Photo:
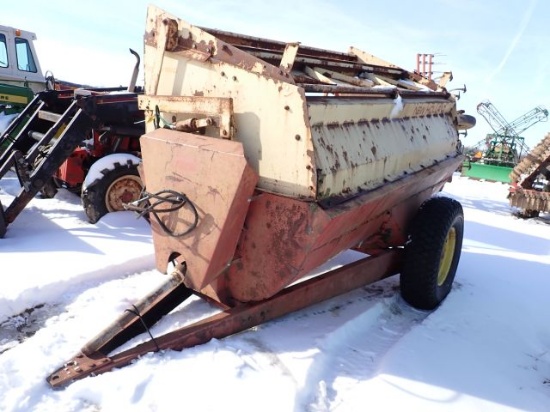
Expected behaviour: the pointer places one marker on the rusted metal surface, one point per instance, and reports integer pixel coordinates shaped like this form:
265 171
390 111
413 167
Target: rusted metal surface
230 321
361 144
231 259
535 164
529 199
122 191
327 151
528 169
285 238
181 107
269 110
314 155
215 176
150 308
274 110
200 45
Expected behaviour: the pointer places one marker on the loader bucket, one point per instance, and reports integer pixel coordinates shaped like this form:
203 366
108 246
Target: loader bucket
491 173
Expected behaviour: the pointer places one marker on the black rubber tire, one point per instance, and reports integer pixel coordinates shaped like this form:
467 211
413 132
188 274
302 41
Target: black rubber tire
49 190
529 214
95 197
432 253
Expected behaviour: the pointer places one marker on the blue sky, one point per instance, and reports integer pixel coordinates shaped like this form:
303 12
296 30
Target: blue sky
499 50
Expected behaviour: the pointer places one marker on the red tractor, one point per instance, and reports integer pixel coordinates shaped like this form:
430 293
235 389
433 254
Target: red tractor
85 140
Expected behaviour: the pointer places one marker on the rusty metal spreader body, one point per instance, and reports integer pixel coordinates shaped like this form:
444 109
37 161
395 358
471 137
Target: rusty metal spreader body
282 156
300 150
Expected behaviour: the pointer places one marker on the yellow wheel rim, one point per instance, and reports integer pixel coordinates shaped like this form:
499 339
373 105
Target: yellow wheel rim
447 255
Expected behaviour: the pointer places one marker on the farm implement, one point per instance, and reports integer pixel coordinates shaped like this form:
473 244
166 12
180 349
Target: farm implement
504 148
530 187
262 160
85 140
507 159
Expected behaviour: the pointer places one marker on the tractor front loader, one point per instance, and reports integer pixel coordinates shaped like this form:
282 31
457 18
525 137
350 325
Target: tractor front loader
83 140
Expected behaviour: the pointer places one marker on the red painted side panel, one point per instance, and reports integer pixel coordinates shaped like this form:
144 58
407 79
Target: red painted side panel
284 238
248 248
214 174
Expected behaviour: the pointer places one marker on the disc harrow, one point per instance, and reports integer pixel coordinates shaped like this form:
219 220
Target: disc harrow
530 188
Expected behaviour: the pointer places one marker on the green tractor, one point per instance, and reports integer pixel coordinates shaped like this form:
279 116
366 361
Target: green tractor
495 157
13 100
20 73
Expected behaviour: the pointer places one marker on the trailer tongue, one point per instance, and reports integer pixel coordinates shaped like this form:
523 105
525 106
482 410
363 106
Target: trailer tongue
263 160
93 359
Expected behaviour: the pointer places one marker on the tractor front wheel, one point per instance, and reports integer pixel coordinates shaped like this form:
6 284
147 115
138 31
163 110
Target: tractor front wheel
432 253
111 191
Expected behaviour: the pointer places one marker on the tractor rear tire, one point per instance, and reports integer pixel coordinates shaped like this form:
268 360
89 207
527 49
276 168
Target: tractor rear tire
115 188
432 253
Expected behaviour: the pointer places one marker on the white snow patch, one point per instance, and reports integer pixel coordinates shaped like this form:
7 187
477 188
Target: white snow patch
397 106
5 120
108 162
485 348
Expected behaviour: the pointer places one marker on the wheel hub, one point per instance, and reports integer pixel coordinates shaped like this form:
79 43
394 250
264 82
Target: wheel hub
122 191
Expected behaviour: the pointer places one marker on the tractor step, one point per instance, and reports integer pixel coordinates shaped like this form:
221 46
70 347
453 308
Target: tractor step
50 116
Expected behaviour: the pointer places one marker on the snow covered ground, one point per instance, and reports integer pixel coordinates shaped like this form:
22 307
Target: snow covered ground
485 349
5 120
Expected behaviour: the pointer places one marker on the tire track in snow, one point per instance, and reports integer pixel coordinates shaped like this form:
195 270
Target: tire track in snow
355 350
351 333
